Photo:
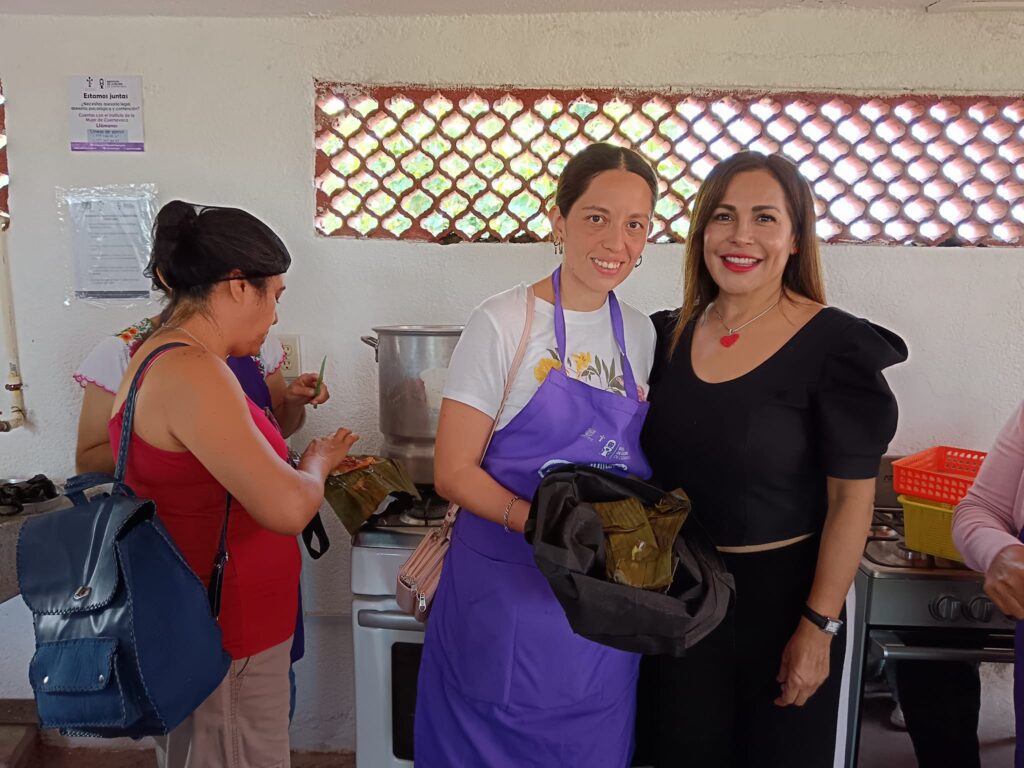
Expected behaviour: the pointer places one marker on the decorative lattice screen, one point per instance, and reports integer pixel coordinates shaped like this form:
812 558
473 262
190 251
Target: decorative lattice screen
5 216
454 164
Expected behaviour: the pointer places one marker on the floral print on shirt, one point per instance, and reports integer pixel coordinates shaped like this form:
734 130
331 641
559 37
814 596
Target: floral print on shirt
586 367
134 335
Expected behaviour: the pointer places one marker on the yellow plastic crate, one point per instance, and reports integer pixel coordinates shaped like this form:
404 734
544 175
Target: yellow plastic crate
928 526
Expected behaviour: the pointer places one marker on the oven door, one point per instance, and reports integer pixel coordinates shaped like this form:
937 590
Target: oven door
388 645
942 645
935 673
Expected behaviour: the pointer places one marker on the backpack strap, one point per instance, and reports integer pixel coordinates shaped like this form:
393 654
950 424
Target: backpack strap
127 421
128 417
220 563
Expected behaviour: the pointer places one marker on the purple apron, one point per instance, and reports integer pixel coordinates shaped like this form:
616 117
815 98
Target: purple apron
504 681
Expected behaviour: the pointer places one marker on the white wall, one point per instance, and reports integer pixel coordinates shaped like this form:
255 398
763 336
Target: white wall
228 108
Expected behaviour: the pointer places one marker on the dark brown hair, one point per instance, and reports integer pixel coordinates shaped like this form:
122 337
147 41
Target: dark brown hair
196 246
598 158
802 274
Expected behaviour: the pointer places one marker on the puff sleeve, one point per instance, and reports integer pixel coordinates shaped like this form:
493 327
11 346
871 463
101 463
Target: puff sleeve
856 409
105 365
271 356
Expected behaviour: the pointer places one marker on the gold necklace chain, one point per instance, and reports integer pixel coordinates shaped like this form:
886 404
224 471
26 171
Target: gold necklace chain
187 333
739 328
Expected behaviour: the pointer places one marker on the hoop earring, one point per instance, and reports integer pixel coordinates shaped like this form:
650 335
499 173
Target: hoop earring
639 261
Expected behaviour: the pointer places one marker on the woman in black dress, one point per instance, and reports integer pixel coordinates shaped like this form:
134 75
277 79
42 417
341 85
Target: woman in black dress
770 409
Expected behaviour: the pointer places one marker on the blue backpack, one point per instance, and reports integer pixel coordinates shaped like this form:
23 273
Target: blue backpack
127 640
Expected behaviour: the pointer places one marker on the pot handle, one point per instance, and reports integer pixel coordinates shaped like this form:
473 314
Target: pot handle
372 341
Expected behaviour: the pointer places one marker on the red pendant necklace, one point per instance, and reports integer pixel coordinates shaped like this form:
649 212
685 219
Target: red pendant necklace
733 334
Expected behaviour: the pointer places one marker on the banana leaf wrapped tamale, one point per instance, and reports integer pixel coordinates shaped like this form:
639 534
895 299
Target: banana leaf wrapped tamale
639 539
361 486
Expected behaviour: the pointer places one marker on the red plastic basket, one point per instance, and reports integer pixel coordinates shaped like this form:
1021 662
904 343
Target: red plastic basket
940 473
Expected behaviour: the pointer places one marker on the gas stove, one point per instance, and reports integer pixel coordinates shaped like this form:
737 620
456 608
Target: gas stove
886 552
897 586
387 539
915 606
387 642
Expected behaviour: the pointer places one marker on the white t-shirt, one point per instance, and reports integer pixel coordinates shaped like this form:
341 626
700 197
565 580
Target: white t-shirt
483 356
105 365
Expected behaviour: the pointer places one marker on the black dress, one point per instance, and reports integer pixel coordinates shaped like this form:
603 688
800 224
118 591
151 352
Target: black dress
754 454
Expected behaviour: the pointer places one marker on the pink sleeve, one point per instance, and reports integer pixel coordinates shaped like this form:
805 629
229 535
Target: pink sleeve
992 514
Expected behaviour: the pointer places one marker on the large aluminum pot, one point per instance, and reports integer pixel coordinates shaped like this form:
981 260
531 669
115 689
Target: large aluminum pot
412 363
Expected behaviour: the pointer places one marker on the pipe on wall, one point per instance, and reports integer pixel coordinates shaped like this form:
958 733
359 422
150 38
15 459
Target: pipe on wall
15 416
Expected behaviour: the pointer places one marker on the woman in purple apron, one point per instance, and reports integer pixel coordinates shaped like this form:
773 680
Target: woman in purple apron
504 681
988 529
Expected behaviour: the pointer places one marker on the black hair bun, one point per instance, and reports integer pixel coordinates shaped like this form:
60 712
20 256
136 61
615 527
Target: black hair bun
173 237
175 221
196 246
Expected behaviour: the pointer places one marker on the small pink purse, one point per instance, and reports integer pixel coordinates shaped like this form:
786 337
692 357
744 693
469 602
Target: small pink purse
419 577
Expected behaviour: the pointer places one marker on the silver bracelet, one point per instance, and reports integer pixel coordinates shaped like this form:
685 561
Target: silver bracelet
508 511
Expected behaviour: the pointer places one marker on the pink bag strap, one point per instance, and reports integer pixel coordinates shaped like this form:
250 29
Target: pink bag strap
453 509
514 369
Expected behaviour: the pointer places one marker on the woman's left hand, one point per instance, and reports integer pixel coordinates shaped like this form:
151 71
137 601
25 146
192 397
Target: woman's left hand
302 390
804 665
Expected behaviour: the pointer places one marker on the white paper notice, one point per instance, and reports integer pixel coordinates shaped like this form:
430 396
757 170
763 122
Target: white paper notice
110 245
106 113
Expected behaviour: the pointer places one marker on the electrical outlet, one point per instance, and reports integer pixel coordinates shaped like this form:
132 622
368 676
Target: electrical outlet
292 366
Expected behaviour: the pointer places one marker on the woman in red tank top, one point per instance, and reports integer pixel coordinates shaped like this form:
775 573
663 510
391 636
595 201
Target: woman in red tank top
197 438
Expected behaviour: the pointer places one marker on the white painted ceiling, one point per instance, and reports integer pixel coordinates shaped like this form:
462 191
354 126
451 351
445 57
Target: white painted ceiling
257 8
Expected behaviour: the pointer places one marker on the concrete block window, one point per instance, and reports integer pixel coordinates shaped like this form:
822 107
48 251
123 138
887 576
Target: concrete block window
460 163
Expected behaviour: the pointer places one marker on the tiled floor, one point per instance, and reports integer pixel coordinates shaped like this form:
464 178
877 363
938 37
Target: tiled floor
323 761
884 746
881 744
54 757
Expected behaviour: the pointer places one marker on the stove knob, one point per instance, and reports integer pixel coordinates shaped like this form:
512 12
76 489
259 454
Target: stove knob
979 609
945 608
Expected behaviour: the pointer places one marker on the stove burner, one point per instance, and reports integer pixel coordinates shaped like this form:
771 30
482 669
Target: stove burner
428 511
888 517
909 554
892 553
883 533
912 556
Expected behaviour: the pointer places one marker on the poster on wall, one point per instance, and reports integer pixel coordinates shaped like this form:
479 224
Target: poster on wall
110 239
105 113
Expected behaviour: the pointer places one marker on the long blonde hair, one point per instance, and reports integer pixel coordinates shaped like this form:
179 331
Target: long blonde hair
802 275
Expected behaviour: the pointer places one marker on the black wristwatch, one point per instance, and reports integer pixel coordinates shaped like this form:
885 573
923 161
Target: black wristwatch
824 623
